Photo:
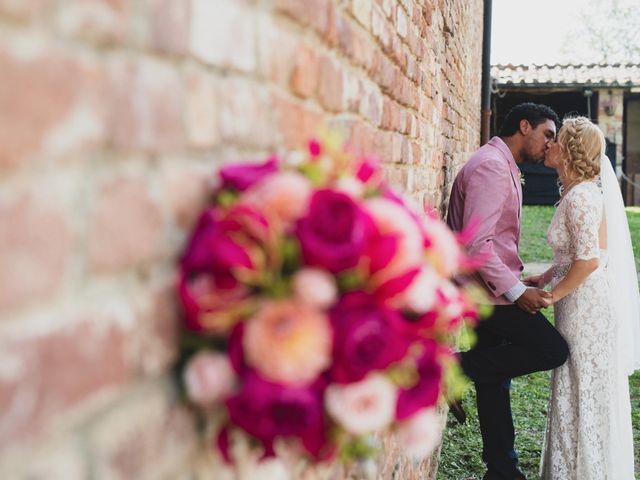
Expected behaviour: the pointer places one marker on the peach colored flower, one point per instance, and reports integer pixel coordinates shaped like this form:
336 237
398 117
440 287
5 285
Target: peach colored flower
452 300
288 342
208 378
392 218
283 196
420 434
351 186
444 252
420 296
363 407
315 287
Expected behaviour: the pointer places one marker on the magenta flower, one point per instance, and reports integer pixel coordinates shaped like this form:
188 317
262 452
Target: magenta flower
267 411
315 148
334 232
240 176
424 393
365 338
224 252
368 170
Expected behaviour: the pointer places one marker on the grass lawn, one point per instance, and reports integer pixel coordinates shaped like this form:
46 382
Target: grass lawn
462 445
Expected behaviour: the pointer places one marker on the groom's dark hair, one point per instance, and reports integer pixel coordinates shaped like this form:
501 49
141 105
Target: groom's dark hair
534 113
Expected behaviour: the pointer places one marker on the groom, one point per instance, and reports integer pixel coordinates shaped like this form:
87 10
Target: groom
516 339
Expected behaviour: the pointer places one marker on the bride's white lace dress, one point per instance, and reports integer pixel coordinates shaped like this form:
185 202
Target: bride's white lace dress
588 434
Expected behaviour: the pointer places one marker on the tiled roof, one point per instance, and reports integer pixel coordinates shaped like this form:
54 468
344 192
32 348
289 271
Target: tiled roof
615 75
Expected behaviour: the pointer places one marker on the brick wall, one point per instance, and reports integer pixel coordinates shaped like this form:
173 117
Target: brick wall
113 115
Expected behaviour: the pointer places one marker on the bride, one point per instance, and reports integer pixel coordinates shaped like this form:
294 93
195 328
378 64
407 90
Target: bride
594 289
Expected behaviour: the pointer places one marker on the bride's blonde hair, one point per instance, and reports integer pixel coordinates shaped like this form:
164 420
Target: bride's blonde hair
584 144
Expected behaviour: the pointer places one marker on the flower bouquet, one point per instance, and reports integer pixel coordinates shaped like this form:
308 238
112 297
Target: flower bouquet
319 308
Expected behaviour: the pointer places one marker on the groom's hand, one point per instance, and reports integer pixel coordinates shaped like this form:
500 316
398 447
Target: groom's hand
533 281
533 299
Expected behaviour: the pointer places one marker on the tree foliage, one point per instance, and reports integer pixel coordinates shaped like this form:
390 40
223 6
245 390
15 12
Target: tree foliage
606 31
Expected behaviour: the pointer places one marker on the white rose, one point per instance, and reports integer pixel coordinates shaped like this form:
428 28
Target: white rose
363 407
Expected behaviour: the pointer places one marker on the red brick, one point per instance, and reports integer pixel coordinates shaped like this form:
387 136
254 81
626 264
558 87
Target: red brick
201 112
223 33
407 152
46 375
62 457
386 120
155 341
427 11
35 250
402 22
304 78
103 22
398 55
170 25
245 114
278 49
147 435
25 10
295 123
362 139
383 145
314 13
381 30
371 105
147 107
362 12
185 191
126 226
50 106
331 90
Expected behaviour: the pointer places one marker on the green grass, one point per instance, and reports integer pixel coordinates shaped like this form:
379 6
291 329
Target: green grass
533 236
462 445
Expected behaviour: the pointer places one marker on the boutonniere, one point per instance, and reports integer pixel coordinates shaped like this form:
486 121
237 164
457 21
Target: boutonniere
521 176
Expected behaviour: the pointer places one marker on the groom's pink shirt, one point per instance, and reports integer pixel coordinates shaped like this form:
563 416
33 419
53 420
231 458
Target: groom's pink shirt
487 191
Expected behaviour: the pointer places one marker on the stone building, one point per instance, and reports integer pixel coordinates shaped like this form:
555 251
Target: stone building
113 116
608 94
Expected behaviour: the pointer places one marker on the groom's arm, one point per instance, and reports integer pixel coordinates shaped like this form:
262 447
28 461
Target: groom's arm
487 193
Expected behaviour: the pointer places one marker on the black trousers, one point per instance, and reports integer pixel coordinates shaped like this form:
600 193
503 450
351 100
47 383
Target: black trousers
511 342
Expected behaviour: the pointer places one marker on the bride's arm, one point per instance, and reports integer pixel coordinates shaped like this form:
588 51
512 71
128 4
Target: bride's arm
578 273
583 219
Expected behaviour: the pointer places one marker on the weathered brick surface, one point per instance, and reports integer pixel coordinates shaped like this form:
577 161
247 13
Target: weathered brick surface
113 117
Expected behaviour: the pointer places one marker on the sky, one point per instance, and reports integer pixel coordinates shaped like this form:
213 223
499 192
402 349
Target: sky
534 31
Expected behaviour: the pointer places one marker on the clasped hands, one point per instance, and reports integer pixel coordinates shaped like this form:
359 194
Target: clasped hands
534 297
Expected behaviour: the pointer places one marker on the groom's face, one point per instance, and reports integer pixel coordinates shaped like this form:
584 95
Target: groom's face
537 140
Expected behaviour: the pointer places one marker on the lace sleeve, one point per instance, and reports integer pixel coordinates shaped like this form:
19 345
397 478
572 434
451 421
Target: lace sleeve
584 214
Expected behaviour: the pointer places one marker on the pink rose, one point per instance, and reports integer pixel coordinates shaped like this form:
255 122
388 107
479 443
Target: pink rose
420 296
283 197
364 407
350 186
240 176
315 287
394 219
420 434
334 232
288 342
365 338
208 378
